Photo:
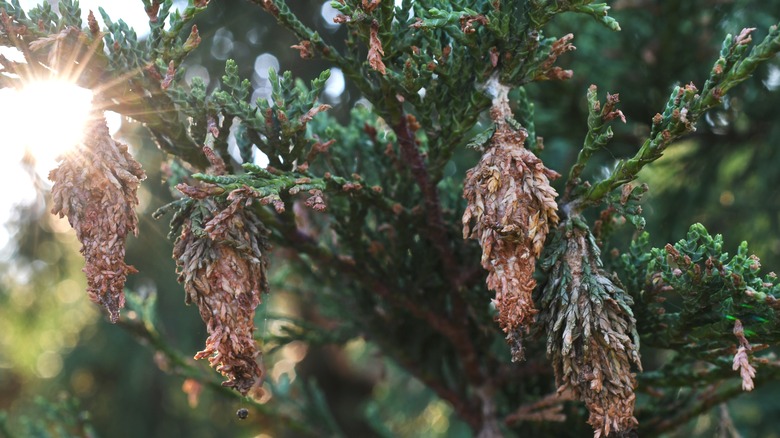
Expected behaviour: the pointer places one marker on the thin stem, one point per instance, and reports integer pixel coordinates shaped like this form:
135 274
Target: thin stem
285 17
435 225
455 330
182 367
683 417
685 106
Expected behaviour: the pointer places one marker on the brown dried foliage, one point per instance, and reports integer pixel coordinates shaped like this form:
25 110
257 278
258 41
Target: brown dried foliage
94 27
610 113
305 49
9 26
151 11
741 360
744 37
467 22
512 206
592 338
306 118
95 186
193 40
269 6
375 50
222 262
170 75
559 47
370 5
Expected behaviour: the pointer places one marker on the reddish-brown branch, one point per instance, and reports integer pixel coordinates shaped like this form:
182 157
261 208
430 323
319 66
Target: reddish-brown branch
683 417
454 329
437 234
468 412
461 339
436 228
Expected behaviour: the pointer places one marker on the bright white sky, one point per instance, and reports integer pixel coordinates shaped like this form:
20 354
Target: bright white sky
45 120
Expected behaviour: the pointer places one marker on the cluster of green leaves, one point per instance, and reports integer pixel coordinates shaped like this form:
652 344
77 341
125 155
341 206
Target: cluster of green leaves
174 43
691 295
42 20
299 162
277 126
385 260
512 31
53 419
169 44
694 291
686 105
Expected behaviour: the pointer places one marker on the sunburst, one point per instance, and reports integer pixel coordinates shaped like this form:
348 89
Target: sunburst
44 119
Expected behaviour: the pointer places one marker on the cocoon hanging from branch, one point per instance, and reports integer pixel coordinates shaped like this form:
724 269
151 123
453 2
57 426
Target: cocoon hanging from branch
511 206
96 187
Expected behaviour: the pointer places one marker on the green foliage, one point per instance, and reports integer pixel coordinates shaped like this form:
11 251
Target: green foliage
42 20
364 202
711 289
59 419
692 294
685 106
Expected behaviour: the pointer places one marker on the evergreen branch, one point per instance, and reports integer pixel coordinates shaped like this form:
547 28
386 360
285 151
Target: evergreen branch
122 79
160 116
541 12
279 10
681 373
276 126
435 225
452 329
685 106
598 135
400 269
351 69
270 187
730 69
450 141
168 44
180 366
715 290
666 424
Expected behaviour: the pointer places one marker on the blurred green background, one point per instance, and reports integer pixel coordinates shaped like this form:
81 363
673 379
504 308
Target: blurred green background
55 344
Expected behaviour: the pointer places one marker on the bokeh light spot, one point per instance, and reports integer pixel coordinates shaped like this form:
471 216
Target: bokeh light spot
49 364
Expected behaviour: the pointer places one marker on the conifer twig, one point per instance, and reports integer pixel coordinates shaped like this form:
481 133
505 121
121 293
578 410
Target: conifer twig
662 426
279 10
437 231
685 106
454 330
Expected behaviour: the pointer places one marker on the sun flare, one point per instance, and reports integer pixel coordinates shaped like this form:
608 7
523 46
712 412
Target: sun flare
38 122
44 119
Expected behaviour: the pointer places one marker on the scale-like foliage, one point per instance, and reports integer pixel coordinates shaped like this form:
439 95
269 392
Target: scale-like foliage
369 212
711 292
591 334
